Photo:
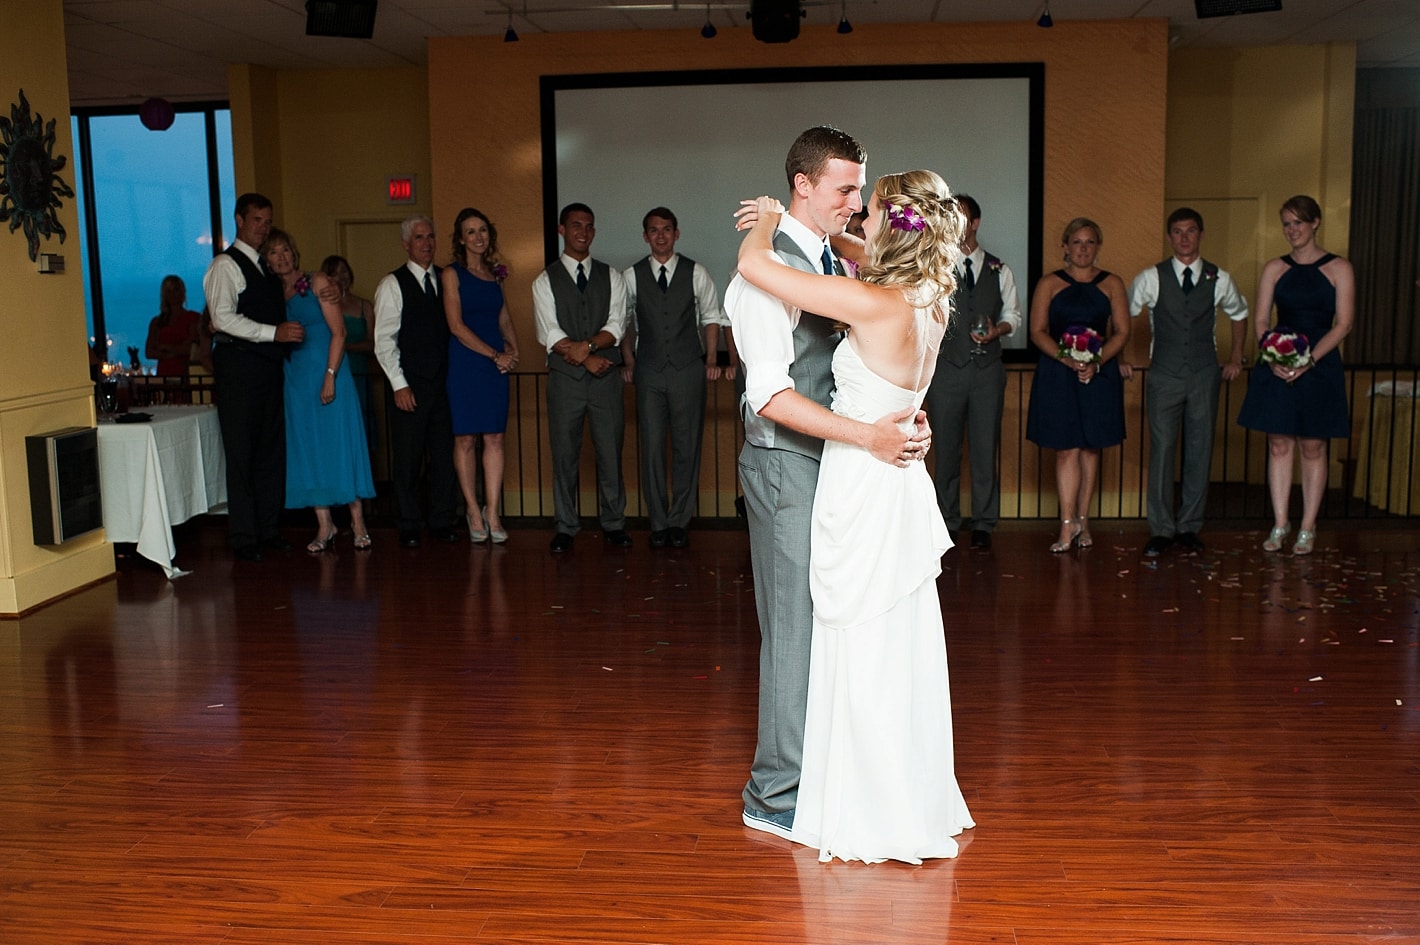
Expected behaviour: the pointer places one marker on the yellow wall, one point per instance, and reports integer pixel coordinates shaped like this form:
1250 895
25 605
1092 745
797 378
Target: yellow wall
44 379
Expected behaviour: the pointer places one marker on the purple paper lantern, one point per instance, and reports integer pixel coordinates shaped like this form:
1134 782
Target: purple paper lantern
156 114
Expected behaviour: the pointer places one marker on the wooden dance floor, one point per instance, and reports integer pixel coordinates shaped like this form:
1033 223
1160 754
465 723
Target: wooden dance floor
463 745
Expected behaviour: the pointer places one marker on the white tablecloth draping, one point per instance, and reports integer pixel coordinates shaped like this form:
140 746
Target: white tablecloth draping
159 474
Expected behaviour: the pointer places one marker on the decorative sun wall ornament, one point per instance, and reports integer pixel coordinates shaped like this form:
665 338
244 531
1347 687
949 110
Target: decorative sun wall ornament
30 185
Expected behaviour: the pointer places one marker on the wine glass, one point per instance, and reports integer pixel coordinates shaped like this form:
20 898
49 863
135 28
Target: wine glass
980 327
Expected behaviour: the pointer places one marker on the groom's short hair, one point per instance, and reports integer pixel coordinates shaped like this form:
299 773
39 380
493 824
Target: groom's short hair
811 151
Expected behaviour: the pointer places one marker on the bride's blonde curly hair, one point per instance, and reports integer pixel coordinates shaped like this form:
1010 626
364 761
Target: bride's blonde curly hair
921 260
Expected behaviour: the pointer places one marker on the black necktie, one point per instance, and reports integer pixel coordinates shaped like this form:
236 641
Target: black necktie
429 285
970 276
827 261
663 282
1188 280
581 278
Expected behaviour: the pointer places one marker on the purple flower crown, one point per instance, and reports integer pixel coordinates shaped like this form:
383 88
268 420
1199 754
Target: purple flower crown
906 218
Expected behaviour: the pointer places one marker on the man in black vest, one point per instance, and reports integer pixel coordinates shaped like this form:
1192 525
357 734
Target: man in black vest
968 392
251 331
1183 295
673 319
579 305
412 346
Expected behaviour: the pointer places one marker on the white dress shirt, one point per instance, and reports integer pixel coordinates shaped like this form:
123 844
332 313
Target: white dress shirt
1144 293
1010 298
545 306
389 312
707 300
764 325
221 285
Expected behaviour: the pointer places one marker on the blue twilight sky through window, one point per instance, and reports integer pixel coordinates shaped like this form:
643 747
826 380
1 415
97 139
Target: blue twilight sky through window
153 211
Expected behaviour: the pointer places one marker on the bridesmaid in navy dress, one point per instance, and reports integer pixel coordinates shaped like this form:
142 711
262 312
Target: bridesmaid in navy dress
1077 409
484 348
1301 408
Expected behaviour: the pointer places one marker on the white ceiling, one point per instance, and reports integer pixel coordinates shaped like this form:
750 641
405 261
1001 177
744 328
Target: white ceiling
124 51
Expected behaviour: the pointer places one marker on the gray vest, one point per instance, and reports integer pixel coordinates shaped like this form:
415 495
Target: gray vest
984 299
1183 325
815 340
667 324
581 314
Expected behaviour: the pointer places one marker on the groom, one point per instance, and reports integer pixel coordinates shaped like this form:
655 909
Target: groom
787 356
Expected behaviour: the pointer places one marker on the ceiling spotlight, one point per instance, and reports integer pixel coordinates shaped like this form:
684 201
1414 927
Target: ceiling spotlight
708 31
844 27
510 35
1045 22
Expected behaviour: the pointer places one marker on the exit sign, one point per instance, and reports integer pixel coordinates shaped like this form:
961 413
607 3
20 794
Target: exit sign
399 188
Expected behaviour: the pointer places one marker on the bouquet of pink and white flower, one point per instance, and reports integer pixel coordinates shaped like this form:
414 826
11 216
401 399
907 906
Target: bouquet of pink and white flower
1285 347
1081 344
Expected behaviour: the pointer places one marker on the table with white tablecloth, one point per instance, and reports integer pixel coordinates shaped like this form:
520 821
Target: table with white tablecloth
158 474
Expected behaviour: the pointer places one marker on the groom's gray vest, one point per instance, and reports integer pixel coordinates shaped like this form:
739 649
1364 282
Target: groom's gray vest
812 371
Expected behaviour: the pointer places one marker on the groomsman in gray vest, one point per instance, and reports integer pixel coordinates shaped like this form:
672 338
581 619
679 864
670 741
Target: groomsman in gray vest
579 305
673 320
412 348
968 391
1183 295
787 360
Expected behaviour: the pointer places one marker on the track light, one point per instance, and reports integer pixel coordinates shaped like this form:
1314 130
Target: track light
510 35
1045 22
708 31
844 27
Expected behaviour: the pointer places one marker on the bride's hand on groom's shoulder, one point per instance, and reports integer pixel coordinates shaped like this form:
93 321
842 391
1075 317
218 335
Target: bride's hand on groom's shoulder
751 211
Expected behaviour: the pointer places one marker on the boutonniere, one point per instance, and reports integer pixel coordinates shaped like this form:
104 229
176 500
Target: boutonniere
500 272
303 284
1209 275
994 265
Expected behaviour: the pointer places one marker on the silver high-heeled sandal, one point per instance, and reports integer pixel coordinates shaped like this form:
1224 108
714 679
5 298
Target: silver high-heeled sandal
1306 540
1083 538
498 535
1276 537
1060 547
476 535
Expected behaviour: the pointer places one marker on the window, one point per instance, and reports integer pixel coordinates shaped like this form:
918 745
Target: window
150 204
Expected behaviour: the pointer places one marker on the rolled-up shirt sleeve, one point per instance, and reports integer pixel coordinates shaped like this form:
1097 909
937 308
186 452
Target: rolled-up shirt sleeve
545 312
764 335
1010 300
1229 299
1144 292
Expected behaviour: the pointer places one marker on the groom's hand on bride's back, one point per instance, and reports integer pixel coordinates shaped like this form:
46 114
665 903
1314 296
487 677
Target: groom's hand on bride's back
890 445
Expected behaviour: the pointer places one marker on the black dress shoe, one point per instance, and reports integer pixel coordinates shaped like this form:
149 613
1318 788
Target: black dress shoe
445 534
409 539
980 539
247 553
1157 545
276 543
617 538
680 538
659 539
561 543
1190 542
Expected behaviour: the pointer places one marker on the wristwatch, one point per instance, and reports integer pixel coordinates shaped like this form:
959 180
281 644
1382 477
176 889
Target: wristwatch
591 346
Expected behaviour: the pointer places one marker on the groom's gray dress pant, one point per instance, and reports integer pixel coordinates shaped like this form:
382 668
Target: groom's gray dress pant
779 498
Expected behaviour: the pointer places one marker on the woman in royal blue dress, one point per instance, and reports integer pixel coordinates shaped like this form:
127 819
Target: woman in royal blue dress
327 461
1077 406
1301 406
483 349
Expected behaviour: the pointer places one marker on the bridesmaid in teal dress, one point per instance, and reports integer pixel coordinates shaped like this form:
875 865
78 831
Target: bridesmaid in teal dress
1077 408
327 460
1300 408
359 314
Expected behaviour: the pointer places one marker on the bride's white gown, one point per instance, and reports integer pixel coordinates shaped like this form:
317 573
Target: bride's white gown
878 777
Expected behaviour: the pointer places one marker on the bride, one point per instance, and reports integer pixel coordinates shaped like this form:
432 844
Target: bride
878 774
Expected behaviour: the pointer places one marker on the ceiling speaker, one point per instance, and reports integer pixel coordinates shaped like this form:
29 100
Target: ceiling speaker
1207 8
350 19
775 21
